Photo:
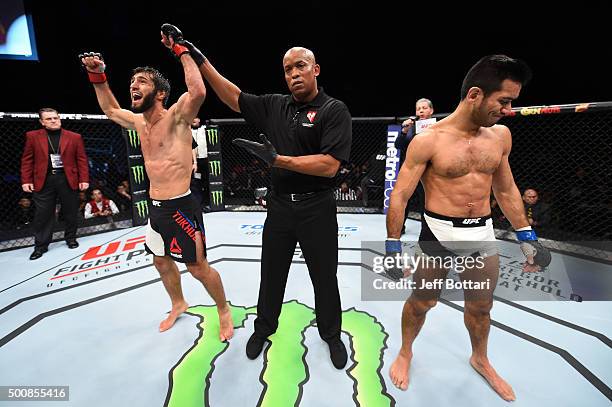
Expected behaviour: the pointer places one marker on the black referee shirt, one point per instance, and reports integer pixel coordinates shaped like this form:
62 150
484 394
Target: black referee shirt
321 126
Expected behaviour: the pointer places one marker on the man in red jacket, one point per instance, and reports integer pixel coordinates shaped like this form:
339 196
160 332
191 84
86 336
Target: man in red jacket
53 164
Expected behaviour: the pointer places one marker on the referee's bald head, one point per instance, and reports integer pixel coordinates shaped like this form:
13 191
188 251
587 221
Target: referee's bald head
303 52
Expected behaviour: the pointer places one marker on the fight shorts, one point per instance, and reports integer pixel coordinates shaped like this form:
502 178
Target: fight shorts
172 227
449 236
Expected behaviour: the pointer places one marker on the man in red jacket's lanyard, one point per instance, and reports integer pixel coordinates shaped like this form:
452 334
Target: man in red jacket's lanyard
53 164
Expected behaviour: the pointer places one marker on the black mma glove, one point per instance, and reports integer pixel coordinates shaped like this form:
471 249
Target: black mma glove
181 46
265 150
531 247
95 73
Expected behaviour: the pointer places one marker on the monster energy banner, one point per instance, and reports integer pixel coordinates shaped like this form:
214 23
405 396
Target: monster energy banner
140 207
215 169
139 182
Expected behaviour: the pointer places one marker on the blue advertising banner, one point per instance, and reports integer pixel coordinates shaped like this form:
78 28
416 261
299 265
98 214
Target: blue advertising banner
391 163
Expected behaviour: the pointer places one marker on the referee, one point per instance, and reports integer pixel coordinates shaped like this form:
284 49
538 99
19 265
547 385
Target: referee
309 136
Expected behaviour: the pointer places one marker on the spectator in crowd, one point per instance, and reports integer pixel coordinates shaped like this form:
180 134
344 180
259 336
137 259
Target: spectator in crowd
54 164
423 110
344 193
25 213
100 206
538 213
124 199
239 180
232 184
258 175
363 171
354 175
343 173
102 185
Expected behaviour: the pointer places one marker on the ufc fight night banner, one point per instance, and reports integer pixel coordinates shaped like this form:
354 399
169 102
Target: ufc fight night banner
215 169
139 182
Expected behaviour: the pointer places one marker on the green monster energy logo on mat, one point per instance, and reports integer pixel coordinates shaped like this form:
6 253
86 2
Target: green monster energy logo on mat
143 208
217 197
138 173
215 168
284 370
133 138
213 136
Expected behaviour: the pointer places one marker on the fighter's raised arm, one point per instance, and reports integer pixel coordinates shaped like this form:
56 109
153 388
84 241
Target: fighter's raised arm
227 91
189 103
95 66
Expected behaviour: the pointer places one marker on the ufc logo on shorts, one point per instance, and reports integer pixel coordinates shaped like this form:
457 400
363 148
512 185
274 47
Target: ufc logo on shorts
156 203
471 221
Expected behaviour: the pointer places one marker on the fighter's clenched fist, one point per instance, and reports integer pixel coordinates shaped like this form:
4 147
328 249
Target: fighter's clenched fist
95 66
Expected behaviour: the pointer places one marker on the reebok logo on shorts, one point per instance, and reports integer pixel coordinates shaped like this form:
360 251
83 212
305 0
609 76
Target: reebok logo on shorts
174 247
184 224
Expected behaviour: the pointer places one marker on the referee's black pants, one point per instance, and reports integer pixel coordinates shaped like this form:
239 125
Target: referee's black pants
313 224
56 185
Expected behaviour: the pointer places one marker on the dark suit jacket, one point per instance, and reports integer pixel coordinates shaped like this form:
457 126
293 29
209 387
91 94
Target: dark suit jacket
35 158
540 213
401 143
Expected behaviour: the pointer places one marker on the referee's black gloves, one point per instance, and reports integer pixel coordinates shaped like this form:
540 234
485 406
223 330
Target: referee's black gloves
264 150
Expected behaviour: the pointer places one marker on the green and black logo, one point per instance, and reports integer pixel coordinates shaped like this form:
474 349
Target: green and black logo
217 197
284 372
213 136
134 138
215 168
143 208
138 173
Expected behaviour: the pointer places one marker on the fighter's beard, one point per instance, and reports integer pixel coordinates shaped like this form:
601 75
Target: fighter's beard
147 103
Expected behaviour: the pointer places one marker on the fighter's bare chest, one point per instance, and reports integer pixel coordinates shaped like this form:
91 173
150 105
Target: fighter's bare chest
461 158
156 141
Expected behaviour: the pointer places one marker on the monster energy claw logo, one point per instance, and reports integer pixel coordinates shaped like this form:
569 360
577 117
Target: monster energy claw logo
143 208
284 371
213 136
215 168
217 197
138 173
133 138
